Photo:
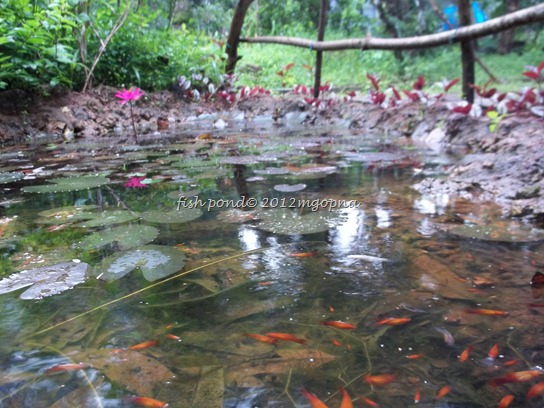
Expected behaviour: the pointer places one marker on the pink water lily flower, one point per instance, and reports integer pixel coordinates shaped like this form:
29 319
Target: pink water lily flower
132 94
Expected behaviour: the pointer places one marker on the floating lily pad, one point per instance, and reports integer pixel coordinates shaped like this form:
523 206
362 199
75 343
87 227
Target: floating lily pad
288 222
106 218
370 157
68 184
10 177
240 160
272 171
66 214
289 188
126 237
45 281
172 217
155 262
192 162
500 231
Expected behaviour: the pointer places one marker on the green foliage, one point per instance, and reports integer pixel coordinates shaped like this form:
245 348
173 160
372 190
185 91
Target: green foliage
36 43
151 58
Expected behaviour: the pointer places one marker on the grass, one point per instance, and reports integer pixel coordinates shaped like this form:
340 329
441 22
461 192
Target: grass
349 68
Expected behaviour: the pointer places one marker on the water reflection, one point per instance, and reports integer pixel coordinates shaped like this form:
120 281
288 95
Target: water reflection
399 268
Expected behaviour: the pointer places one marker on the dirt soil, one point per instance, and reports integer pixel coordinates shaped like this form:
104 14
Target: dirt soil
505 166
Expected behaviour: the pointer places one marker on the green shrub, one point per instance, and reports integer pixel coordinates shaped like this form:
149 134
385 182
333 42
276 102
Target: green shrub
36 43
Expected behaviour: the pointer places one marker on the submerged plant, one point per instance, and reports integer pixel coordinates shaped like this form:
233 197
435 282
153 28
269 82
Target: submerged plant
133 94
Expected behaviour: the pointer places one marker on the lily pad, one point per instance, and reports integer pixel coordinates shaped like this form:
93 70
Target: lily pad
108 218
45 281
155 262
272 171
285 221
126 237
172 217
10 177
500 231
68 184
289 188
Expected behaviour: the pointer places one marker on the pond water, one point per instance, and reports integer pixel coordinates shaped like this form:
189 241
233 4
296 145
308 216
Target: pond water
153 279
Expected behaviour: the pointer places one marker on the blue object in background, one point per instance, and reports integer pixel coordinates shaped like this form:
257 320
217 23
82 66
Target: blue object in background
479 15
451 14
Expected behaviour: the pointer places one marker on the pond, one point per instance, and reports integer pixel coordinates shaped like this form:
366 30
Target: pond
262 267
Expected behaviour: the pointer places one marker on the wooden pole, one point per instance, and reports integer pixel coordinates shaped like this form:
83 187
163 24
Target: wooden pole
467 51
319 54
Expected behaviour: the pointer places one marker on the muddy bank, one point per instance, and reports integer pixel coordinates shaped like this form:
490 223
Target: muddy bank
505 166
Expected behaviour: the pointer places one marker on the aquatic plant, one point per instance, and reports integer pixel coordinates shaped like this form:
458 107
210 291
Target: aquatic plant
127 96
45 281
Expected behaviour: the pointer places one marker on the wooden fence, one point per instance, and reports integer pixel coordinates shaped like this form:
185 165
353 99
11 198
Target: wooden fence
463 35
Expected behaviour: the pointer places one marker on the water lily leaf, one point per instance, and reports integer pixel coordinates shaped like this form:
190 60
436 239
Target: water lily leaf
285 221
172 217
108 218
289 188
68 184
272 171
45 281
500 231
192 162
155 262
10 177
62 215
126 237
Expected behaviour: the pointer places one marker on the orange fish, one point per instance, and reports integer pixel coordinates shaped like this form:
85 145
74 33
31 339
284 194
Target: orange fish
339 325
493 351
66 367
331 309
261 338
144 345
466 353
506 401
316 402
393 321
487 312
336 342
417 396
170 326
368 401
346 399
382 379
442 392
415 356
518 376
147 402
172 336
302 254
510 363
538 279
286 337
536 390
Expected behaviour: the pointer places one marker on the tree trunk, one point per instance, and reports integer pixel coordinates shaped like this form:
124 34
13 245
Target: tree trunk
234 35
319 54
506 39
467 51
390 28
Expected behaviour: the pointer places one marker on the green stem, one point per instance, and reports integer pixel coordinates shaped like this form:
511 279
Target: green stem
133 123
